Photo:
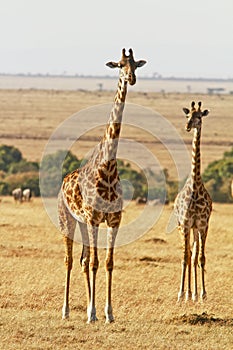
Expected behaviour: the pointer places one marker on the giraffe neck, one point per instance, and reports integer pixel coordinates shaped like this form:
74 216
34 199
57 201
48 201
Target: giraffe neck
196 157
99 180
112 132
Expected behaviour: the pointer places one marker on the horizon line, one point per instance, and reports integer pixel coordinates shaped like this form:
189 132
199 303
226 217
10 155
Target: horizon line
90 76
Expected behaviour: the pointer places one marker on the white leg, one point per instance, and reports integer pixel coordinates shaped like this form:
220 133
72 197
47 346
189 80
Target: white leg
194 264
85 260
111 237
203 235
68 261
67 226
185 236
94 264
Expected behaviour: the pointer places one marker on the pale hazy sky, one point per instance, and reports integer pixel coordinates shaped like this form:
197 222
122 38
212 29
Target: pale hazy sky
176 37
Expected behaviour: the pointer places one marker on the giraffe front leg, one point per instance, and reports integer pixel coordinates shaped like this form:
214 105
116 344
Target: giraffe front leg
85 260
93 266
185 237
194 264
189 292
111 237
203 234
67 226
68 262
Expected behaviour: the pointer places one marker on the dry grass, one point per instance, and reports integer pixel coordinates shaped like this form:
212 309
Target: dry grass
147 272
28 118
146 281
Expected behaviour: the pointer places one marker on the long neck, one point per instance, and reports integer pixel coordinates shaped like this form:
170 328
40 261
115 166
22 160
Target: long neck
112 132
196 156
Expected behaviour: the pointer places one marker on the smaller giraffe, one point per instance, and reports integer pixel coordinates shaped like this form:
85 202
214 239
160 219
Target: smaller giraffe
193 207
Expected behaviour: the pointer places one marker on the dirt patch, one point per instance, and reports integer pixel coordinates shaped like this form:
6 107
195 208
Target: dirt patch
165 260
202 319
149 259
21 251
156 241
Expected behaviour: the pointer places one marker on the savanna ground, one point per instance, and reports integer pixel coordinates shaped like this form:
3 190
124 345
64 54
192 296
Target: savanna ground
147 272
146 281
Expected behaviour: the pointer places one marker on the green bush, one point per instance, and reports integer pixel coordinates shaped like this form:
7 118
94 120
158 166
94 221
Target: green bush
218 176
9 155
23 180
15 171
23 166
54 167
132 178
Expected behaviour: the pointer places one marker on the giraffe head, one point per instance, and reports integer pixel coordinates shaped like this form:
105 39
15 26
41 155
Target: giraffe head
128 66
194 116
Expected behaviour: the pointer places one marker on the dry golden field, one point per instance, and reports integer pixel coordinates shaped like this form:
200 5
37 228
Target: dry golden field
145 285
29 117
147 272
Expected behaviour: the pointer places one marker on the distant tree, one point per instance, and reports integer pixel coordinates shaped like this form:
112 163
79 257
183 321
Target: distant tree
32 183
15 171
9 155
22 180
218 176
4 188
23 166
51 173
70 163
132 178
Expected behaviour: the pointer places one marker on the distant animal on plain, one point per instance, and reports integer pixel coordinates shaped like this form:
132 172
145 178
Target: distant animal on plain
27 195
17 194
141 200
155 202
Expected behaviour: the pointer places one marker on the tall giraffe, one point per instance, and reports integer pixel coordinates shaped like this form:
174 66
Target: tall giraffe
92 195
193 207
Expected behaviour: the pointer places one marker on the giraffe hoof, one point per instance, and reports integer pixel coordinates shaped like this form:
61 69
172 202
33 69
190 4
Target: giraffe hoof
65 312
180 297
195 298
108 314
109 319
93 319
91 315
203 296
188 296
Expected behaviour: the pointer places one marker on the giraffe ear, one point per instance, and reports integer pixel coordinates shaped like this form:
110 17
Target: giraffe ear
205 113
112 65
186 111
140 63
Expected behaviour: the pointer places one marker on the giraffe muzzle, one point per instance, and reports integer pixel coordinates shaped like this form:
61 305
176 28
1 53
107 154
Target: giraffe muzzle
188 128
131 79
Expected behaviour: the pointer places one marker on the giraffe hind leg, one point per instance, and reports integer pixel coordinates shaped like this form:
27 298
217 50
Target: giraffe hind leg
195 253
85 260
93 267
185 237
111 237
202 260
67 226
